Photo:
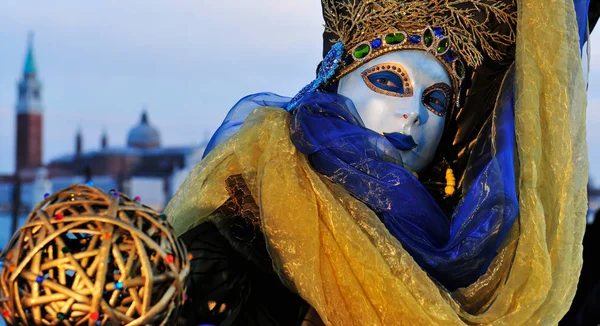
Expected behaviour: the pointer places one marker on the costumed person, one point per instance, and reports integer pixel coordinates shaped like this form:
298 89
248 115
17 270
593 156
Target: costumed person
434 173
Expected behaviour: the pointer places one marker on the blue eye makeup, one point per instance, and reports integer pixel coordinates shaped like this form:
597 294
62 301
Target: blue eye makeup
436 98
388 79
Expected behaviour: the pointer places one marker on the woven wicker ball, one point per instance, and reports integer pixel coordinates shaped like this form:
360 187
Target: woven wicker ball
85 256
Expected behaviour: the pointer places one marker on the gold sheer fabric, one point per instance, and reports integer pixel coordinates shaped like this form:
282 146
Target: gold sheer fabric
334 251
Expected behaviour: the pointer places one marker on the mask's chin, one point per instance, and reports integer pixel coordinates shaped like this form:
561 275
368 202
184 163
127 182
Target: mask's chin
411 160
408 149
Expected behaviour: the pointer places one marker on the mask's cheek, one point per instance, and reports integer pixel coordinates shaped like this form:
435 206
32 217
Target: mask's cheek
428 136
375 114
432 133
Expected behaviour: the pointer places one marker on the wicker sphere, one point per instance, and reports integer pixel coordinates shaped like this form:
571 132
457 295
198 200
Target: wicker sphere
85 256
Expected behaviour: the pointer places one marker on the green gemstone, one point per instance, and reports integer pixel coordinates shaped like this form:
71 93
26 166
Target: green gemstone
163 217
65 250
60 316
362 51
443 45
459 68
394 38
428 37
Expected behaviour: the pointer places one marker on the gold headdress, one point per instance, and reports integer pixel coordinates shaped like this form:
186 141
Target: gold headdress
457 32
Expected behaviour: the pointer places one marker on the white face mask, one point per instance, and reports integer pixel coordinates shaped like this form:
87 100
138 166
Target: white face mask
400 94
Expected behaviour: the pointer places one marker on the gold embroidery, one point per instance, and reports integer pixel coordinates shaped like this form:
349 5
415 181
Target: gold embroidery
449 65
462 33
358 21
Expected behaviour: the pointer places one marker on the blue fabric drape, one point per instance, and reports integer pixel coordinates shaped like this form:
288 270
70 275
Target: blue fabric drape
581 10
236 116
454 251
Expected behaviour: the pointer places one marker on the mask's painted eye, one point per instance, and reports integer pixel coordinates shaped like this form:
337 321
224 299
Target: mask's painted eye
388 79
436 98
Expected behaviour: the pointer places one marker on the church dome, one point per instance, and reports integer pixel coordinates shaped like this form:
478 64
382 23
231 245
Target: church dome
143 135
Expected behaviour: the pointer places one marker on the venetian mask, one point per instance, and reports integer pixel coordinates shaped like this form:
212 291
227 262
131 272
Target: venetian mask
404 95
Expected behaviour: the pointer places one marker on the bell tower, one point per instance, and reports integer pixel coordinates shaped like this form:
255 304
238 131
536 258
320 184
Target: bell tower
29 115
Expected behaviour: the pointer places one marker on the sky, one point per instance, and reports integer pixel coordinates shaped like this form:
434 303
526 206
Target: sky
102 62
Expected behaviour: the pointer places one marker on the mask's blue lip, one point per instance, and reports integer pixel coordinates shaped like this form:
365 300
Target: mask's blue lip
401 141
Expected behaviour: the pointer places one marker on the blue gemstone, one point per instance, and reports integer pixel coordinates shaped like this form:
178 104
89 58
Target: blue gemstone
118 285
449 56
46 195
90 183
39 279
376 43
438 31
414 39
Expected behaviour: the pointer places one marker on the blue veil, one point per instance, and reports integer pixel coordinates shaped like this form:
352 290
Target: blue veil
454 250
240 111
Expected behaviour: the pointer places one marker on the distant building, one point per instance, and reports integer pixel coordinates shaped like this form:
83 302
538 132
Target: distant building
143 168
29 116
29 133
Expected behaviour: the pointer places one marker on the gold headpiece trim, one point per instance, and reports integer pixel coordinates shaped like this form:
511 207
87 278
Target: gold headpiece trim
460 26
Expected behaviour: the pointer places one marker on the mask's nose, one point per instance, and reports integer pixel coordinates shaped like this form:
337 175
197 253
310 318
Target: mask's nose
407 120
